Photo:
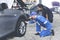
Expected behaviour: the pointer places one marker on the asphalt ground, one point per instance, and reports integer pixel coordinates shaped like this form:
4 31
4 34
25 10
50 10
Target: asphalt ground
31 30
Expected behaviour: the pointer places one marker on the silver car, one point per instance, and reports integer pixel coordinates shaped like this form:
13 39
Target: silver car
12 20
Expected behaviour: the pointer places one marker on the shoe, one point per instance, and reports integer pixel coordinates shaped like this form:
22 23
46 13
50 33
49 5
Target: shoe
52 31
37 33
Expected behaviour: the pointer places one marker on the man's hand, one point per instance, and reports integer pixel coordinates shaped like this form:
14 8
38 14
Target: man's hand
29 17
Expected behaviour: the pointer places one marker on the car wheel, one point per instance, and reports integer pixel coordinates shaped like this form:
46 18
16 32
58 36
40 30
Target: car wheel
21 28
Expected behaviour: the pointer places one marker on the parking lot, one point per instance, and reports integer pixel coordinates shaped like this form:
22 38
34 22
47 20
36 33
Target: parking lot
31 31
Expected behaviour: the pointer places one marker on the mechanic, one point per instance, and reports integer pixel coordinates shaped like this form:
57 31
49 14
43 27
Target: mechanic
44 11
42 22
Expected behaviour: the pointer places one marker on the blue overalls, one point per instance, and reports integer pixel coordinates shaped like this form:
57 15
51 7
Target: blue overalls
41 21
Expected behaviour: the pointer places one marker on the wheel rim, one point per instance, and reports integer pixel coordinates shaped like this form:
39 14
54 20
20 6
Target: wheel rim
22 28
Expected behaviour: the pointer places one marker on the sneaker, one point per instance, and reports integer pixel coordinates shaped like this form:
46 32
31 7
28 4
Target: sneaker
52 31
37 33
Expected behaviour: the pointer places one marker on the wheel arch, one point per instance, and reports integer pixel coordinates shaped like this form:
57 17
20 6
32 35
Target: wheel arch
21 17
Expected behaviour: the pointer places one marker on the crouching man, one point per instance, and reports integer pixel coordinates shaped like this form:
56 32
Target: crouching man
42 22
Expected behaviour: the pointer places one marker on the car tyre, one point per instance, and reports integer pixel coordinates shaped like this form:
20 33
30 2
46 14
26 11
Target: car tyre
20 28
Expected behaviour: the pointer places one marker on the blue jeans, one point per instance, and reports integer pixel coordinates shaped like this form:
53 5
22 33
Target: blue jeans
38 27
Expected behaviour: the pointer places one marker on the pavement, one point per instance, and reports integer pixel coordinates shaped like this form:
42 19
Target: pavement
31 31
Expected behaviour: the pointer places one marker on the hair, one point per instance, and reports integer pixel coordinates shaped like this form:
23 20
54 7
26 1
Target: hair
40 5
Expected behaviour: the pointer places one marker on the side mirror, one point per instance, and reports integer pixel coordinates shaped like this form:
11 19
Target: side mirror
3 6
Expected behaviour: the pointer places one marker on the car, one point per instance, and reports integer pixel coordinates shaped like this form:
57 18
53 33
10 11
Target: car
12 20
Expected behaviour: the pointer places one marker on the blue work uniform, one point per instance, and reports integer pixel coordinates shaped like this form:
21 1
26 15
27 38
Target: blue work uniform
42 21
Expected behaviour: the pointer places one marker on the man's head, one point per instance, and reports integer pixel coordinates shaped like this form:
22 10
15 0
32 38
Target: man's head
40 6
33 15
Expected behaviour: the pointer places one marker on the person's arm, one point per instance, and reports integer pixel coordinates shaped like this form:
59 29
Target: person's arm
30 20
46 16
